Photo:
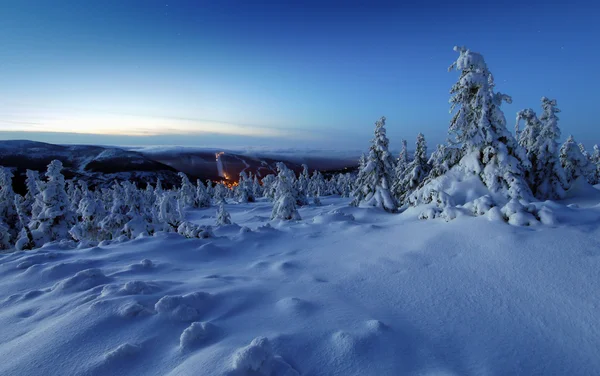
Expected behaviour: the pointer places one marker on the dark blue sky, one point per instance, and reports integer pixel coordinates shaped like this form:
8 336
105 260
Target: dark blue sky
225 73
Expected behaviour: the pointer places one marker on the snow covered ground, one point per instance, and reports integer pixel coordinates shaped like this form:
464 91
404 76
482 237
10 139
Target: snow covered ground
344 291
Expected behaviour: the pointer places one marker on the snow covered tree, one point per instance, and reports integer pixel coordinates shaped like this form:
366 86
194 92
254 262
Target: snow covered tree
527 138
90 211
170 212
416 171
591 177
220 193
256 188
575 164
596 164
442 160
202 196
209 188
375 178
74 193
269 186
25 238
303 181
285 198
317 199
540 138
55 218
223 217
138 213
478 126
8 214
113 223
316 183
187 192
244 192
402 161
32 182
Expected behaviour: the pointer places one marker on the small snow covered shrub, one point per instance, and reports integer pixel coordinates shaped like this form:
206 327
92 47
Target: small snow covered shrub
517 214
192 230
482 205
223 217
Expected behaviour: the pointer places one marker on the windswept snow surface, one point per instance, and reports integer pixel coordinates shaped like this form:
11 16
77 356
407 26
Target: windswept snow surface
344 291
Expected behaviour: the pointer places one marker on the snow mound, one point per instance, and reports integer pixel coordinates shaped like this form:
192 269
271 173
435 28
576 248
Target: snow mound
196 333
184 307
333 216
83 280
124 351
133 309
295 306
39 258
258 359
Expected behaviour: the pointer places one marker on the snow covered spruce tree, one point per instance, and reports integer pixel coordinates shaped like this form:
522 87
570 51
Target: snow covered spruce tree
55 218
244 190
223 217
575 164
596 164
303 181
114 221
268 186
139 214
202 197
89 212
442 160
187 192
285 196
400 166
540 139
375 177
316 183
479 128
9 219
32 182
415 172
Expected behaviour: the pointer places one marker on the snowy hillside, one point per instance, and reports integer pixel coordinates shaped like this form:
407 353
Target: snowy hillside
345 291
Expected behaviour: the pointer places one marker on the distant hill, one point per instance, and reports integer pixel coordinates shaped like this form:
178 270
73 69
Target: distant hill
95 164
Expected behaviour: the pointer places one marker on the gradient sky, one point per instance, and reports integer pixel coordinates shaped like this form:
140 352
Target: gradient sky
235 73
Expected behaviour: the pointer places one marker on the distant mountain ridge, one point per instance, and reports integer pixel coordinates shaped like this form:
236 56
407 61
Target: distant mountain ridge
96 164
102 165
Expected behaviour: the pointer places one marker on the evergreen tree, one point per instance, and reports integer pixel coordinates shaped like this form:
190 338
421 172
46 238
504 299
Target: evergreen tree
202 196
375 178
442 160
32 182
416 171
90 211
596 164
55 218
547 177
478 126
303 181
187 192
575 164
285 196
113 224
268 183
223 217
8 214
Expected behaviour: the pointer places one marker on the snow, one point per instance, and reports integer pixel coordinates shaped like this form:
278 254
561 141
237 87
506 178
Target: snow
343 291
